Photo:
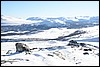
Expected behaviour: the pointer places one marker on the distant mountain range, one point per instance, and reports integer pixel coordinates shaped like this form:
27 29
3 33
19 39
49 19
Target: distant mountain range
48 22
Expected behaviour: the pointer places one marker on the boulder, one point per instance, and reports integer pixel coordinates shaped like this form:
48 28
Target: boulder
21 47
86 53
82 44
88 49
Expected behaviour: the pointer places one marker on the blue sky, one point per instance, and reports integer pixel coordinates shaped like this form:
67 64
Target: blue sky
24 9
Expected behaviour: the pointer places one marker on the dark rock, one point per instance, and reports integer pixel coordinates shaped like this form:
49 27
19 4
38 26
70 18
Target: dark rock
86 53
9 52
21 47
88 49
50 55
82 44
76 33
73 43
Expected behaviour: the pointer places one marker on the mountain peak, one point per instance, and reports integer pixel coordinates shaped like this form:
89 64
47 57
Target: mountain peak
53 21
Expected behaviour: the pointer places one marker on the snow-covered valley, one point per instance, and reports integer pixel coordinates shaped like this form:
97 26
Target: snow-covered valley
53 47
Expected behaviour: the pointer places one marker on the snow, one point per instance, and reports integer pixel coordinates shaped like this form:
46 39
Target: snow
47 58
72 18
53 56
91 32
59 21
16 21
8 20
78 17
14 32
66 57
83 17
51 33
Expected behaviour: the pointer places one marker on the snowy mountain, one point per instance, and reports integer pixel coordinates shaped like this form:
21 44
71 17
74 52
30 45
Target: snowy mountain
8 20
69 22
69 19
70 41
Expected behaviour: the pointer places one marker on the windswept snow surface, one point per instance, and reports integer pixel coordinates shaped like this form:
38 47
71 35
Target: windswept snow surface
8 20
52 52
91 32
51 43
66 56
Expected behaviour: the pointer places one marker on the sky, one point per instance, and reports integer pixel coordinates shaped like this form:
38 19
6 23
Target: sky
25 9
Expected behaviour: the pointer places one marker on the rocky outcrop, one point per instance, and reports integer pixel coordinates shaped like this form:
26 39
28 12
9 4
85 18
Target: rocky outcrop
82 44
73 43
88 49
86 53
22 47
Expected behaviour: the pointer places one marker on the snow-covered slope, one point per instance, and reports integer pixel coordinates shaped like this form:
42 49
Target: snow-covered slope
91 32
67 19
50 54
52 22
8 20
52 48
64 33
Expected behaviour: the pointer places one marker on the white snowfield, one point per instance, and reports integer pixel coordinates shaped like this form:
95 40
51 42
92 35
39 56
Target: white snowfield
16 21
8 20
51 33
50 53
66 56
91 32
